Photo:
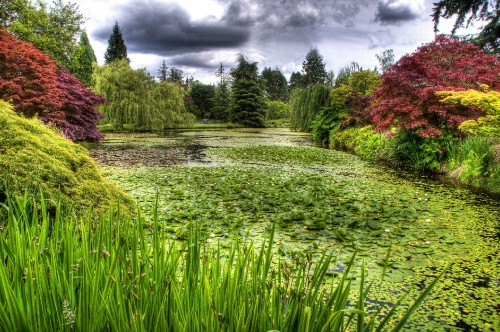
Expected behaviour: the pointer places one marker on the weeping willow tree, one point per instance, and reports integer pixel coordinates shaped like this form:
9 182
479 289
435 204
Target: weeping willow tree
137 100
306 104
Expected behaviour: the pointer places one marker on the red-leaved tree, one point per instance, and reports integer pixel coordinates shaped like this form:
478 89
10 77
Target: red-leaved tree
36 87
407 97
28 78
78 116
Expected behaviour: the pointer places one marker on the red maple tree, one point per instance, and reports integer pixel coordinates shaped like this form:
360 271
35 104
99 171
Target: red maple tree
36 87
28 77
78 116
407 96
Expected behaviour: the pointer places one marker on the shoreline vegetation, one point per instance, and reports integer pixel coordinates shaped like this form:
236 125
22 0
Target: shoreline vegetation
62 272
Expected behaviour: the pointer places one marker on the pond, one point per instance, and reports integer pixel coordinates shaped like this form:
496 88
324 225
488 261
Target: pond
236 183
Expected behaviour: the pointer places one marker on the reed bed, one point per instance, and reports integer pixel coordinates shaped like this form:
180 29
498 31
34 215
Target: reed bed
61 271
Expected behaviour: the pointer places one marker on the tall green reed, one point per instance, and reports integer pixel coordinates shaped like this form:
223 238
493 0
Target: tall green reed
63 272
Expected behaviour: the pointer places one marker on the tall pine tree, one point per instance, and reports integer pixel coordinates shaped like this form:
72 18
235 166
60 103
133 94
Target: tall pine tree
82 64
248 106
313 69
116 46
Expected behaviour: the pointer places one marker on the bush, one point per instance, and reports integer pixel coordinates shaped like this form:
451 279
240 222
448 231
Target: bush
409 149
364 141
35 158
473 162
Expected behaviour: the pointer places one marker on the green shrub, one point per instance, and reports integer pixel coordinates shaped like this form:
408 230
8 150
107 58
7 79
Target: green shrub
473 163
35 158
361 140
406 148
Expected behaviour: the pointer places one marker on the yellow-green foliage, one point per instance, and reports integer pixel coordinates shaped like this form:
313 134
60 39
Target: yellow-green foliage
35 158
489 101
365 142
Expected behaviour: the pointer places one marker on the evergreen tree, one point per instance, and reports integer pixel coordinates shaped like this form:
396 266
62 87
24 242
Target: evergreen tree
175 75
221 73
163 72
465 12
222 102
296 80
313 68
116 46
84 60
248 106
203 98
275 84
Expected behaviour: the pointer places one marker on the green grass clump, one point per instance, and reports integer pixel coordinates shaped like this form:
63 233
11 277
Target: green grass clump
59 273
35 158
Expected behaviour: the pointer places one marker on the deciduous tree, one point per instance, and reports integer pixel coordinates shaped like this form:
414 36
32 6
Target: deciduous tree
34 85
407 97
77 118
28 77
203 98
136 99
489 101
53 29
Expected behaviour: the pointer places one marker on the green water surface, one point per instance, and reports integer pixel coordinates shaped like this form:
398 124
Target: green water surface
237 183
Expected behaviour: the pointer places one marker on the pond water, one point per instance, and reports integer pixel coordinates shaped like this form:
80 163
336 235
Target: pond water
237 183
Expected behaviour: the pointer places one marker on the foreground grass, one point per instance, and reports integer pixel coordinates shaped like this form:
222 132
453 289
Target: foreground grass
62 273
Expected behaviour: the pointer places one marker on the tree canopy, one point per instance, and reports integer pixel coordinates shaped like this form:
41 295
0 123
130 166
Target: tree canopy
36 87
53 29
407 97
136 99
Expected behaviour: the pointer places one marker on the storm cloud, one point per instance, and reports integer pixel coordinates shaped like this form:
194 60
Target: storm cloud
399 11
154 27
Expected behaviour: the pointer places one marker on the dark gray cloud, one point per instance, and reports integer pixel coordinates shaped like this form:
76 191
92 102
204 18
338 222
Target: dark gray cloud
206 60
398 11
292 14
153 27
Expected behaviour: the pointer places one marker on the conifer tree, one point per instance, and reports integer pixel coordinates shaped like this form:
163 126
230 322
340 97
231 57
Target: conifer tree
248 106
163 72
275 84
313 68
84 60
222 102
116 46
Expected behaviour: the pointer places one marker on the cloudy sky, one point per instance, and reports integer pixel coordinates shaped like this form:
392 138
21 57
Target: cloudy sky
197 35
